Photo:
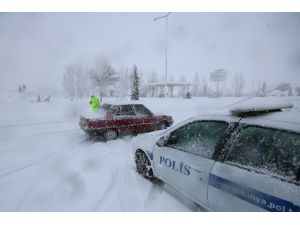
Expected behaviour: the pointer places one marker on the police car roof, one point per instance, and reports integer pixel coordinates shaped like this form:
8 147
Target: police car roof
265 112
287 120
282 120
256 106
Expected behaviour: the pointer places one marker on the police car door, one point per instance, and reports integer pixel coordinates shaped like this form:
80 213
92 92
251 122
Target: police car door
186 159
260 173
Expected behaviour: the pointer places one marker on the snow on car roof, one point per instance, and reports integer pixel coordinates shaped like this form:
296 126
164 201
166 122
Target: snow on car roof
258 105
268 113
272 114
122 103
287 120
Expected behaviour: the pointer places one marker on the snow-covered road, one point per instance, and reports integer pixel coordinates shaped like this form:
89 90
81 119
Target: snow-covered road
48 164
52 166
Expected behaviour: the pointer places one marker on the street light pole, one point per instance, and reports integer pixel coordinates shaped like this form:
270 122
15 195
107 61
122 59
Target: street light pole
166 59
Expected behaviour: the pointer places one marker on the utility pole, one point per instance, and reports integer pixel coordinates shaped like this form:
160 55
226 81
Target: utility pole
166 57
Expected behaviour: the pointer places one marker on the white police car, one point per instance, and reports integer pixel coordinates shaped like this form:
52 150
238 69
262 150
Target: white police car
248 160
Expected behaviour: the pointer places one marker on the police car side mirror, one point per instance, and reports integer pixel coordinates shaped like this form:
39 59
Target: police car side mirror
162 141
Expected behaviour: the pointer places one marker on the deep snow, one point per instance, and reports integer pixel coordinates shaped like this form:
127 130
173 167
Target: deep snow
48 164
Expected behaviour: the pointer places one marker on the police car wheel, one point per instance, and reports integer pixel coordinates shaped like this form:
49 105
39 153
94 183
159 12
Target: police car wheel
143 165
110 135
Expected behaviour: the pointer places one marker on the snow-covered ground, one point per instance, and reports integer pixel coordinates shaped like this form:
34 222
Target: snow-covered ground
48 164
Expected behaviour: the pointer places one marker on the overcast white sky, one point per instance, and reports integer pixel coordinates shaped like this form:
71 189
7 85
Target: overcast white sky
35 47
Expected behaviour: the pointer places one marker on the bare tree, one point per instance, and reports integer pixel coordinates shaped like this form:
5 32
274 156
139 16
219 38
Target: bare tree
69 80
152 78
102 75
238 84
75 80
81 81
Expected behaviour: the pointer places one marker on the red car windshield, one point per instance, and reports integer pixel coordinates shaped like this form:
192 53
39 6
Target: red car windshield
105 107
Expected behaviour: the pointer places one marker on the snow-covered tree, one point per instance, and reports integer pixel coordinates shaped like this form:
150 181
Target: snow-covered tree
102 75
162 79
124 83
195 87
22 89
171 78
284 87
204 89
182 91
262 89
69 80
152 78
143 87
82 78
75 80
135 93
297 89
238 84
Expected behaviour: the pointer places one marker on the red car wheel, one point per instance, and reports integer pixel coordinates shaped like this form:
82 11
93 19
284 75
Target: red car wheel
110 135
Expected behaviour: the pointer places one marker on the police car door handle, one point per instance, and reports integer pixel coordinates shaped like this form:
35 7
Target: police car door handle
198 171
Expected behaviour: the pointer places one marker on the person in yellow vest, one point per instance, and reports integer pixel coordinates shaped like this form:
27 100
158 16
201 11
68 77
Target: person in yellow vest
95 103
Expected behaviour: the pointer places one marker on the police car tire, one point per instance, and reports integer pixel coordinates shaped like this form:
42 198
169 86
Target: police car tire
143 165
110 135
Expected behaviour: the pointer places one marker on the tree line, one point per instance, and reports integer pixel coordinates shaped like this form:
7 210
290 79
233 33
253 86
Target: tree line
103 79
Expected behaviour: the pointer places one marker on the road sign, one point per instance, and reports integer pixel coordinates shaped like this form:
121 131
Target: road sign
218 75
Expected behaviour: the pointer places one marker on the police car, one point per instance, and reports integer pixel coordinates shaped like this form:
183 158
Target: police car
247 160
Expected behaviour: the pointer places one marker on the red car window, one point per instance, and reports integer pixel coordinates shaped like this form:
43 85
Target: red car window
141 110
125 110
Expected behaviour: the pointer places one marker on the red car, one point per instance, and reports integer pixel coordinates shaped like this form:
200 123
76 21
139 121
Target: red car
121 119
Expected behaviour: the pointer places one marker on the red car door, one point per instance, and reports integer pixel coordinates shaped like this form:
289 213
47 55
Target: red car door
145 117
126 119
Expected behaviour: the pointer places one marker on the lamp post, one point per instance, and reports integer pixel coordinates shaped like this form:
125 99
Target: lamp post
166 59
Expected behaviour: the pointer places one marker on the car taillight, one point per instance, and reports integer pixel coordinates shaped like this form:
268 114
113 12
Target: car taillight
84 121
92 124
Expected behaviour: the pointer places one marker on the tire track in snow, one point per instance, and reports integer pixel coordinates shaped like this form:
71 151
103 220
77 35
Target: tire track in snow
46 122
9 171
115 185
26 194
156 190
23 165
105 194
20 146
35 183
41 134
